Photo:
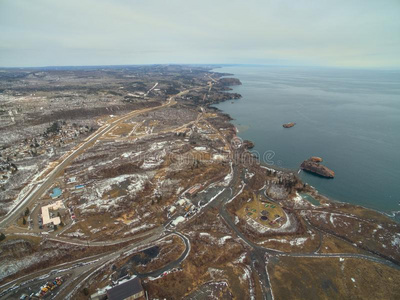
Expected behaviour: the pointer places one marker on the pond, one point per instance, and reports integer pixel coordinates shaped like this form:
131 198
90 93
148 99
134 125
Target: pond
56 192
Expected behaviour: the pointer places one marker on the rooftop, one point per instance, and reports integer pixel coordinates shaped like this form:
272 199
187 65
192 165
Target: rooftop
125 290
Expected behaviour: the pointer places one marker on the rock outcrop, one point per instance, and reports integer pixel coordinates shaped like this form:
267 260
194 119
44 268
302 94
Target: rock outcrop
315 167
248 144
288 125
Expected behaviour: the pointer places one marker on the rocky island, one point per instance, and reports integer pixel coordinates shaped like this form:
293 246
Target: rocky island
288 125
312 165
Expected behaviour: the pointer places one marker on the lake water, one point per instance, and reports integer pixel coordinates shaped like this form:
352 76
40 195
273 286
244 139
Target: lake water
350 118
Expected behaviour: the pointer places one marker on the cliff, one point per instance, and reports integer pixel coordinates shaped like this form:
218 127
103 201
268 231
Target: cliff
248 144
229 81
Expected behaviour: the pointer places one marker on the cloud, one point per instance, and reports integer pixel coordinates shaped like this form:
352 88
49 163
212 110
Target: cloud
348 33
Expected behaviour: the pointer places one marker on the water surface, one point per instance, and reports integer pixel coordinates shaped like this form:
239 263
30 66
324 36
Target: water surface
350 118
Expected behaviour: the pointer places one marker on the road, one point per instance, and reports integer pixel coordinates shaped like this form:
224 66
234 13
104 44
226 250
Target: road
77 272
37 191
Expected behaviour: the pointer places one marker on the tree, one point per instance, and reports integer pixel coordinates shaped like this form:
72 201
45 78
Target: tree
2 237
27 211
86 291
23 221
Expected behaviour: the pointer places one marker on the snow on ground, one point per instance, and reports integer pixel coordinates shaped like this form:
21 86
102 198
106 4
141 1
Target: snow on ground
137 229
11 266
332 220
201 148
247 276
228 178
396 240
131 154
219 241
241 190
300 202
94 196
298 241
155 161
77 233
218 157
204 234
241 258
224 239
157 146
151 163
249 175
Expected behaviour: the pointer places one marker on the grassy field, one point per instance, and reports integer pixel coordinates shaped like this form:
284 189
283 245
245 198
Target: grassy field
332 278
272 214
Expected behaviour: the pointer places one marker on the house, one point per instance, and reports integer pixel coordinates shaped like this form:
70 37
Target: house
129 290
172 209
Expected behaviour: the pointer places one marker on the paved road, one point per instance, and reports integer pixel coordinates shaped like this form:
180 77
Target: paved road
77 272
173 264
37 191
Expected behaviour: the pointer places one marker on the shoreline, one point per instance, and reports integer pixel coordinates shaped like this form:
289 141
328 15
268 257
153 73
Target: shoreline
391 214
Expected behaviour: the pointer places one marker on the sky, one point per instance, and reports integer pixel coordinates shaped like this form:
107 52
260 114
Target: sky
337 33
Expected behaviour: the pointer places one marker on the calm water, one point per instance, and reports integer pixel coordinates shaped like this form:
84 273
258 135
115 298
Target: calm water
350 118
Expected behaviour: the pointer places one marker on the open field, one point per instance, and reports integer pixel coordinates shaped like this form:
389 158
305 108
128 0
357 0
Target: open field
332 278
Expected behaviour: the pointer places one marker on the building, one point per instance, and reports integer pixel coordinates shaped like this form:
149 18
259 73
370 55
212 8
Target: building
129 290
178 220
193 190
46 213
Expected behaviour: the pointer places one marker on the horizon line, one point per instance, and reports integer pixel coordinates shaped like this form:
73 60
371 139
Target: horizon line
198 64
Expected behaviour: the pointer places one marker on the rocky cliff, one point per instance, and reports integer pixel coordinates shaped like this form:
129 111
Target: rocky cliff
315 167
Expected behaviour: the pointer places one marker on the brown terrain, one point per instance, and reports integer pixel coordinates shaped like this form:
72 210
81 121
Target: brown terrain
163 190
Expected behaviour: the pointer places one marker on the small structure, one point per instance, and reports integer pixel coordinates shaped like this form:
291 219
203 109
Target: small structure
72 180
193 190
181 202
129 290
172 209
79 186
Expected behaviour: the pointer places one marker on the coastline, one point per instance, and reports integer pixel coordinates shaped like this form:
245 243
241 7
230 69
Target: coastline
394 215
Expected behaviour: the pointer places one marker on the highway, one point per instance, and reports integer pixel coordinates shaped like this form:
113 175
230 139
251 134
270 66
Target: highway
37 191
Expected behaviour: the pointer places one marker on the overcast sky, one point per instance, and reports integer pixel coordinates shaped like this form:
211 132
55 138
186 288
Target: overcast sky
344 33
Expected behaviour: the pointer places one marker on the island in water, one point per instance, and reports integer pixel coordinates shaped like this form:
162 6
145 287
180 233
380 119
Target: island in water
313 165
288 125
